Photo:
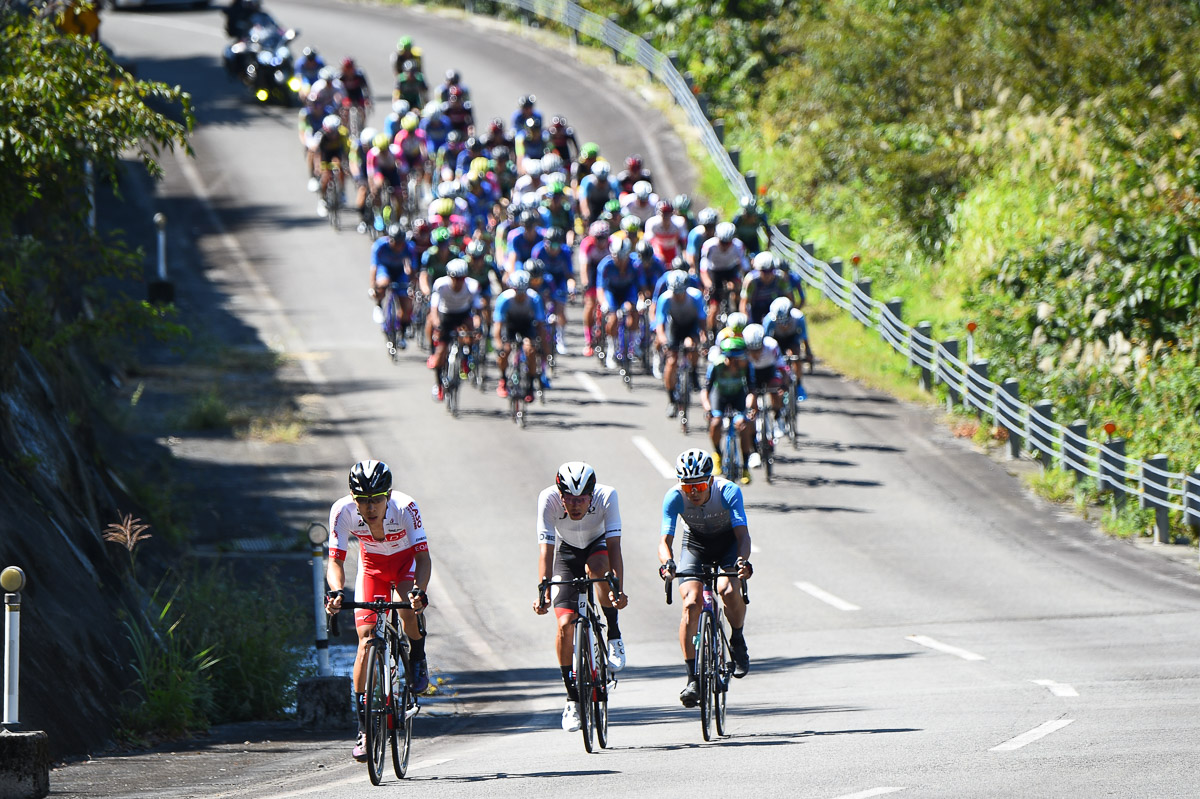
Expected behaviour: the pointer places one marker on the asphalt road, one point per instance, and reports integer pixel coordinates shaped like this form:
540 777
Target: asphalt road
919 624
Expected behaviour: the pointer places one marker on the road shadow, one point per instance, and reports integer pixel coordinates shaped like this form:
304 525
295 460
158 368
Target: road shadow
819 482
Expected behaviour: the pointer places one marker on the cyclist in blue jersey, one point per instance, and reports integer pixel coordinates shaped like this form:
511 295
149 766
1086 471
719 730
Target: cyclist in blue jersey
727 389
392 265
789 328
559 260
762 285
521 241
678 322
618 279
519 311
705 229
715 532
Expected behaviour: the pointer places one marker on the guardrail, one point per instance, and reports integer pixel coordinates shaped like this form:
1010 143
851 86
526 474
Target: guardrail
967 383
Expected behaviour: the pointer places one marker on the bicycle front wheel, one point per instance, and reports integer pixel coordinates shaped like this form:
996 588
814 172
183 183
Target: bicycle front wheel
583 681
707 672
600 691
404 706
378 712
722 673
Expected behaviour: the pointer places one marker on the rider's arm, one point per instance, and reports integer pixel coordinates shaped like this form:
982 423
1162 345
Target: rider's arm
672 507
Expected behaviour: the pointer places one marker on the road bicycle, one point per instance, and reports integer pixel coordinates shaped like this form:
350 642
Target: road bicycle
792 397
521 386
459 363
420 312
684 378
333 196
714 667
589 666
390 700
731 448
620 346
764 431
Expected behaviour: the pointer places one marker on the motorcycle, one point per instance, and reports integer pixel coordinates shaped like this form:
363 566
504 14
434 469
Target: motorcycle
263 62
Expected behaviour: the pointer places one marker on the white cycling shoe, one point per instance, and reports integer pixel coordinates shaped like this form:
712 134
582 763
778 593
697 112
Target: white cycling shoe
616 654
570 717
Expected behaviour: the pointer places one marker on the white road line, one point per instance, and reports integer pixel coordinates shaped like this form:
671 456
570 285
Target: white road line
591 386
655 457
1057 688
869 793
1041 731
925 640
826 597
420 764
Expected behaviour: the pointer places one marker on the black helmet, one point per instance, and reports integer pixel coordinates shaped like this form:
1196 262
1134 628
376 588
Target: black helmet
556 235
370 479
535 267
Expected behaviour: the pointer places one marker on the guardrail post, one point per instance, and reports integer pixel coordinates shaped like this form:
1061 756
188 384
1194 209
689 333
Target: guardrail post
926 380
751 178
702 101
1112 460
161 290
1154 495
690 80
1075 439
616 53
735 158
950 347
318 534
12 580
1191 499
1011 388
785 228
810 247
864 287
980 369
718 126
835 267
1039 436
649 72
896 307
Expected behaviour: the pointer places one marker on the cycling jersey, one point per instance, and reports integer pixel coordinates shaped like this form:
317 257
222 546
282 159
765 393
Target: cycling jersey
726 381
449 300
759 289
631 205
747 229
602 520
330 145
326 94
380 562
309 68
667 236
660 286
707 528
726 259
696 239
618 286
355 84
518 315
684 310
389 261
522 245
768 358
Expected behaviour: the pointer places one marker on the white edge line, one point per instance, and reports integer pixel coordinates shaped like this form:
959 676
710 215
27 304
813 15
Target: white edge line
1040 731
869 793
925 640
826 597
655 457
1057 688
591 386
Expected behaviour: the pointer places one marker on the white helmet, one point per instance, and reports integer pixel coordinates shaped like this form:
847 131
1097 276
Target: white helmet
764 260
367 136
519 280
456 268
331 123
533 167
601 169
737 321
677 280
642 189
552 162
726 231
753 336
694 464
576 479
620 246
780 307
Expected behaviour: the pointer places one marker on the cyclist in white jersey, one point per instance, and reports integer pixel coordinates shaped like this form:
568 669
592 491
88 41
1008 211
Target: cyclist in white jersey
454 302
393 555
579 531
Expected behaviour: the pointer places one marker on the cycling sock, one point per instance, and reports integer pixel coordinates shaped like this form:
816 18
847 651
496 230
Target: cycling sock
416 649
610 615
735 635
572 694
360 710
691 668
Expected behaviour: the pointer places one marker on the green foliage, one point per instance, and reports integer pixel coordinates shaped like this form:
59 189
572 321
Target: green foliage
206 411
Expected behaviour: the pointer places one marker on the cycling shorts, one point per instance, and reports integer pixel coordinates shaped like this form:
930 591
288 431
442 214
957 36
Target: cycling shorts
723 284
451 322
768 377
392 176
676 334
569 563
724 405
520 327
694 560
611 300
397 570
789 344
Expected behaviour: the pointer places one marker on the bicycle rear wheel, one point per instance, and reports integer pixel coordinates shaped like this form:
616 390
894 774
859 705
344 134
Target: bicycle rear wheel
583 681
404 706
600 690
378 711
705 666
731 457
765 431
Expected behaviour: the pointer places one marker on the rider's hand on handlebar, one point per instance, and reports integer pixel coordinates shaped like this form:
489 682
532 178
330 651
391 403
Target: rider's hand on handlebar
418 598
333 600
744 569
542 605
667 571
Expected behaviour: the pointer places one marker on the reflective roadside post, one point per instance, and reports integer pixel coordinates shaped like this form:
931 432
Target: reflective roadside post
12 580
161 290
317 536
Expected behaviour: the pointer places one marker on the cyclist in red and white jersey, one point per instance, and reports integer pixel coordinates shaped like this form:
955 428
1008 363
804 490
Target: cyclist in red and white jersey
579 533
393 554
667 232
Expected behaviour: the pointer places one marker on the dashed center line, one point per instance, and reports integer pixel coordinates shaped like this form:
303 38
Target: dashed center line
591 386
925 640
655 457
1040 731
869 793
826 597
1057 688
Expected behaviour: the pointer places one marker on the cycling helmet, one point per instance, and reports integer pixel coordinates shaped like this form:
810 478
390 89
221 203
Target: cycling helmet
556 235
442 206
753 336
589 150
454 93
683 203
642 189
734 347
479 166
422 227
441 236
400 108
601 169
631 223
326 73
737 321
370 479
677 280
409 66
529 218
519 280
404 43
527 100
331 123
533 167
619 247
780 308
381 141
456 268
396 233
576 478
665 207
452 76
747 203
347 64
454 137
599 229
694 464
552 162
558 188
309 52
645 249
708 217
447 188
367 136
634 163
476 248
764 260
410 121
726 232
535 267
